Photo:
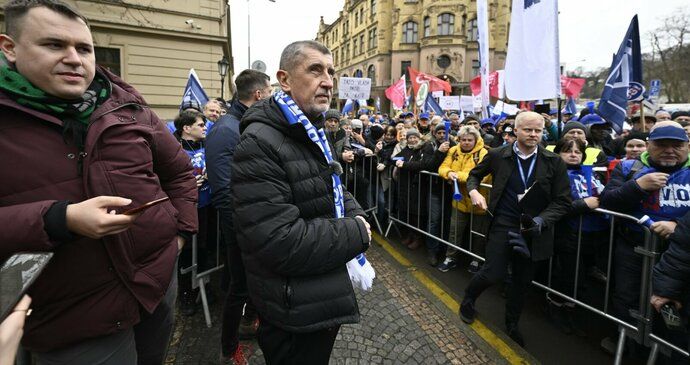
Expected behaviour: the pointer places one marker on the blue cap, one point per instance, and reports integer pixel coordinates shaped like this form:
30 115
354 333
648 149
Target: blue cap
486 121
408 114
668 132
553 111
592 119
424 116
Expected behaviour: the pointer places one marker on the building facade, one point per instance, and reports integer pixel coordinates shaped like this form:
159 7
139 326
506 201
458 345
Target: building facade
379 39
152 45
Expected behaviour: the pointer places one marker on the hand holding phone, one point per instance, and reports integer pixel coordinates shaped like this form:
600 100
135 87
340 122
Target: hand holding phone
148 205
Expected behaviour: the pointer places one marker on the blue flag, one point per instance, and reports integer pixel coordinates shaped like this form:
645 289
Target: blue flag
431 104
194 90
625 68
570 106
349 105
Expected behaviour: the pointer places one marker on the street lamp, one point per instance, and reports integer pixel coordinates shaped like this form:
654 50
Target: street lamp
223 66
249 48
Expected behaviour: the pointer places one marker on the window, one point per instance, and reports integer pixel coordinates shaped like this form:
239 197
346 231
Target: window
356 19
372 39
361 43
427 26
109 58
409 32
373 7
443 61
475 68
326 39
361 14
473 31
446 24
371 73
354 47
403 69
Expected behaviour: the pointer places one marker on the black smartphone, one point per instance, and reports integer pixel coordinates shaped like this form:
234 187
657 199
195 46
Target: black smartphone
526 222
16 276
542 108
148 205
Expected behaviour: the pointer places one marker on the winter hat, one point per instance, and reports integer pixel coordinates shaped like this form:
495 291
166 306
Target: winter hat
573 125
357 124
440 127
376 131
412 132
332 114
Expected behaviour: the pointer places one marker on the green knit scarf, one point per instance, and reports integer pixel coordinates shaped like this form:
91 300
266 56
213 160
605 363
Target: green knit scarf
74 114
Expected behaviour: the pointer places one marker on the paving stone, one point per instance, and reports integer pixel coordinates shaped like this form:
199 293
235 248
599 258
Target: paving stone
399 325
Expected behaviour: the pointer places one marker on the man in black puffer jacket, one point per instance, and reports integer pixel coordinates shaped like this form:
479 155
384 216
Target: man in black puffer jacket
671 278
294 249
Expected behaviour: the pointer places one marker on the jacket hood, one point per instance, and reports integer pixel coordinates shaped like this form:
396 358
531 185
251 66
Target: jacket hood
477 147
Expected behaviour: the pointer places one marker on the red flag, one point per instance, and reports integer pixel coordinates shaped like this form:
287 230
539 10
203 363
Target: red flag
397 94
435 84
476 85
572 86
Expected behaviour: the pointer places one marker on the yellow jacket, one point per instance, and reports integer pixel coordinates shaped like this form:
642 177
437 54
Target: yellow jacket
462 163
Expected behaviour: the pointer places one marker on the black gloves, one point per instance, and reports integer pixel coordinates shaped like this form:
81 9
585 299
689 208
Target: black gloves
518 243
531 227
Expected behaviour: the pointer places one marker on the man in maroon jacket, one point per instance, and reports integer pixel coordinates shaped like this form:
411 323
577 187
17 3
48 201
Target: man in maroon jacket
79 147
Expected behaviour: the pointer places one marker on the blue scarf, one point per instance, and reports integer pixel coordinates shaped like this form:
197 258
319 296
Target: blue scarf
294 115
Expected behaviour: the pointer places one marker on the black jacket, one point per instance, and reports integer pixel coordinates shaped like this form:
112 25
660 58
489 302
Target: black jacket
671 278
551 178
294 250
220 148
413 188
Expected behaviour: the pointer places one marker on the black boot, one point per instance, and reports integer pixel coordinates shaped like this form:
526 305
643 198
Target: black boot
188 303
514 334
467 312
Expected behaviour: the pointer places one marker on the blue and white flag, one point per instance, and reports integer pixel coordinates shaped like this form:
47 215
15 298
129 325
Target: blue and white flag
378 104
625 68
194 90
533 63
349 105
431 104
362 103
570 106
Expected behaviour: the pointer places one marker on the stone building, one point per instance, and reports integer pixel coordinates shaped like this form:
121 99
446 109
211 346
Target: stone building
152 45
379 39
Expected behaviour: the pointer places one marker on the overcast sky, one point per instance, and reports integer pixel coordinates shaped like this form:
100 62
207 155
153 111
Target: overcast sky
590 30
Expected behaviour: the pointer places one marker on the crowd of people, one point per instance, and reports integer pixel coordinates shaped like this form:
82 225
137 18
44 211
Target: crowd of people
290 188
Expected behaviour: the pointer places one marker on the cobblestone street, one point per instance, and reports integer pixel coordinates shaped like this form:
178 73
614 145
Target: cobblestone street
400 324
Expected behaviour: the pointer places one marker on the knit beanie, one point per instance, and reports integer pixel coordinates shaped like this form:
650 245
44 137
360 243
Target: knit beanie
573 125
412 132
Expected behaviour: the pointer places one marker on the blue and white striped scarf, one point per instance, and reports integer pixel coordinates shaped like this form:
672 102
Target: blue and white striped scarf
294 115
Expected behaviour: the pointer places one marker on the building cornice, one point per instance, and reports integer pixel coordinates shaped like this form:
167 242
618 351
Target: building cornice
106 25
127 5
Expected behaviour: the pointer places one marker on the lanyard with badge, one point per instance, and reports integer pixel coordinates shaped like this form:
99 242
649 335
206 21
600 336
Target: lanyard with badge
524 178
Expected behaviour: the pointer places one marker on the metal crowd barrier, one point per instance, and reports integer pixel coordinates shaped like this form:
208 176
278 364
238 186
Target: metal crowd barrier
200 279
363 180
644 315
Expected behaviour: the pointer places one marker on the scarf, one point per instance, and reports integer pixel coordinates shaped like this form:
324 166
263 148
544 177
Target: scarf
74 114
294 115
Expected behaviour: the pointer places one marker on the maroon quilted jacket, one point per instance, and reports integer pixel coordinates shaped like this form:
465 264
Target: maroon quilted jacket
93 287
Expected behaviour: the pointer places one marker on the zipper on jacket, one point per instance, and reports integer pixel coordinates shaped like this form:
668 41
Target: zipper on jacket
288 293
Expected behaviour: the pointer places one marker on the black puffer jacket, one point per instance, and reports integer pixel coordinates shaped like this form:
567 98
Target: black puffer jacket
671 278
294 250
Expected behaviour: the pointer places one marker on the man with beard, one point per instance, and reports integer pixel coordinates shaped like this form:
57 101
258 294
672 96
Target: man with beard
296 227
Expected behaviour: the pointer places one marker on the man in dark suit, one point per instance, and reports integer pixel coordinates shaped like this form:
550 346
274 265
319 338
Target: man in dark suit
531 192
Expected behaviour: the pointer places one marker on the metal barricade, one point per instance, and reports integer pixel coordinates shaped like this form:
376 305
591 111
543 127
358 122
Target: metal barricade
640 331
362 180
200 279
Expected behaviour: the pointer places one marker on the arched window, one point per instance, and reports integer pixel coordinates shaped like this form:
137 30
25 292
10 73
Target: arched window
427 26
472 30
446 24
373 7
409 34
371 73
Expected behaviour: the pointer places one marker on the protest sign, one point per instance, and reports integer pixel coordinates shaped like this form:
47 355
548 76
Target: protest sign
449 102
355 88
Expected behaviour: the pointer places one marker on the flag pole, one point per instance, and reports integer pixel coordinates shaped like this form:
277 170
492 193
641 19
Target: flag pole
560 117
642 120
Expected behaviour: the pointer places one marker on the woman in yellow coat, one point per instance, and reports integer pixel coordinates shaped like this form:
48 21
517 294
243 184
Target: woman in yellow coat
459 161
